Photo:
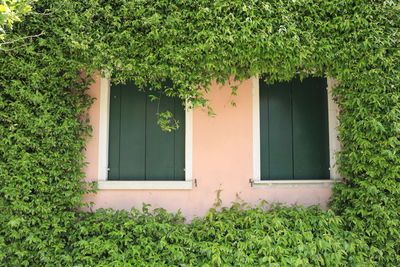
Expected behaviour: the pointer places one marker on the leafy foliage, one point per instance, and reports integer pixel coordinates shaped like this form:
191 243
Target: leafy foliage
11 11
190 43
234 236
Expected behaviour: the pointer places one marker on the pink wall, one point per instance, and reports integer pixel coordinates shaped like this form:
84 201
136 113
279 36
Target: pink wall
222 160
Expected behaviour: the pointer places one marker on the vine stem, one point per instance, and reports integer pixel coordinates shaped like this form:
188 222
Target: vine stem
19 39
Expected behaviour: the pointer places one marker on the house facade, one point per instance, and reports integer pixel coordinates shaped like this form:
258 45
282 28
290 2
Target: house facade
277 144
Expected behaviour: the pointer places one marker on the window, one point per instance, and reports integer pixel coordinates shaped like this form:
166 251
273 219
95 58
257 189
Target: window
138 148
134 153
295 137
294 130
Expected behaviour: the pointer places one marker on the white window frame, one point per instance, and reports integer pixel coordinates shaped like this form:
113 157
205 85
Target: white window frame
334 144
104 183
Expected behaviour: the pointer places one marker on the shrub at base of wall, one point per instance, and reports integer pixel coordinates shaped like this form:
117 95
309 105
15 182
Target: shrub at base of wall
255 236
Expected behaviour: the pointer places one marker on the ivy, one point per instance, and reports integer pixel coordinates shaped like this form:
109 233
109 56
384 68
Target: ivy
46 64
237 235
11 11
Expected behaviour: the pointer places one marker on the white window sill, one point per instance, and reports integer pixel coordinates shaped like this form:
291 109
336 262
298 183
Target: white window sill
293 183
146 185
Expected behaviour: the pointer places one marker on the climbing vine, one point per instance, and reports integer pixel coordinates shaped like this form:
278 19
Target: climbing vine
43 80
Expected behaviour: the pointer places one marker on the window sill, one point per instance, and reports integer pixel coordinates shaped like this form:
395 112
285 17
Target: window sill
293 183
145 185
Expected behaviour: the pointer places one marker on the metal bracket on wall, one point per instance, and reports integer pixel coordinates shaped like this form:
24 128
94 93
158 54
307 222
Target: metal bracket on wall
251 181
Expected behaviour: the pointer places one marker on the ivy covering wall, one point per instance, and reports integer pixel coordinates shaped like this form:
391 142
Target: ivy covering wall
46 62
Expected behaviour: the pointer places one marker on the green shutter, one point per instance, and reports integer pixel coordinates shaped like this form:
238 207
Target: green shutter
294 130
132 134
138 148
310 129
276 123
114 130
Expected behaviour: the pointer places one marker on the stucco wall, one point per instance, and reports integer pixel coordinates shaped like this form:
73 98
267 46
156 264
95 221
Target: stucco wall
222 160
